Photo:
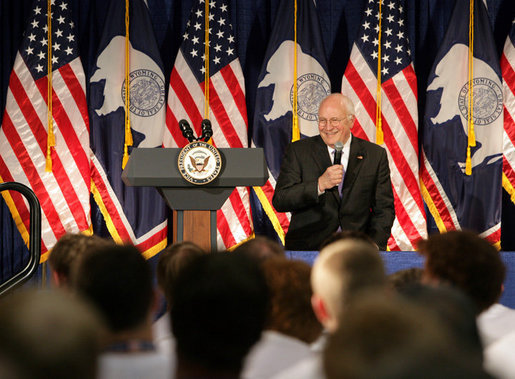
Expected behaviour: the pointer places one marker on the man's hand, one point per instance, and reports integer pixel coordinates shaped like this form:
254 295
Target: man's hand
331 177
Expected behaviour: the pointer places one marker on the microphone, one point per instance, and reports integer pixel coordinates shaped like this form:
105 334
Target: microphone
186 130
207 131
338 147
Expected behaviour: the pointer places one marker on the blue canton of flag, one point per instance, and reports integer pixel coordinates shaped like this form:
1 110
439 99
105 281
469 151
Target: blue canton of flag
135 214
274 97
35 44
455 199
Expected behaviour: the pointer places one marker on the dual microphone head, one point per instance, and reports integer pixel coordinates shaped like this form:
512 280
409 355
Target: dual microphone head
187 132
338 147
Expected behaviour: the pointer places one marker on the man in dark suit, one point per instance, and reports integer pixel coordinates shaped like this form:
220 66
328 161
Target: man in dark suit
308 182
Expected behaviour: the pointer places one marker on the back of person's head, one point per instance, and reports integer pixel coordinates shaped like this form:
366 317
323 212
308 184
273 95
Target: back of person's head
341 271
218 311
453 309
65 252
172 260
405 278
348 234
465 260
260 248
290 310
381 337
118 281
48 334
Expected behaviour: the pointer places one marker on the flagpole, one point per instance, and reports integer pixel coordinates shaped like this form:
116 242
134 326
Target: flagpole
379 122
471 134
295 132
127 99
51 136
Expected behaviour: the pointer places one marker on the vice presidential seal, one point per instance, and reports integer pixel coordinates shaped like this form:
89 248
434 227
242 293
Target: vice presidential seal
147 92
311 90
488 103
199 162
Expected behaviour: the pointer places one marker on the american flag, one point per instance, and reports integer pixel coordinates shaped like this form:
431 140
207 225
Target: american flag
227 109
508 75
398 110
63 192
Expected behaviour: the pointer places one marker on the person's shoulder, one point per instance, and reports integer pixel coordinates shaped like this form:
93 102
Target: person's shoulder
306 143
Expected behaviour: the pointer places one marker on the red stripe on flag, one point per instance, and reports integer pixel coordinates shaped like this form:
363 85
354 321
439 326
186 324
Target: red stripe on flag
32 175
77 92
239 210
402 112
509 126
109 204
237 94
18 200
508 74
404 219
223 228
184 96
411 78
173 127
438 201
225 124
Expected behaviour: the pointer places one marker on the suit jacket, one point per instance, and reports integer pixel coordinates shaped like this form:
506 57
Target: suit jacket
366 203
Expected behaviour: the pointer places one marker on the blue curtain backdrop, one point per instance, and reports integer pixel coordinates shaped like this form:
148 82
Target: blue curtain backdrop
252 21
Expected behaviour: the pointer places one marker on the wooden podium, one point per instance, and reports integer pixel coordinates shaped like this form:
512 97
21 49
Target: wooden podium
195 206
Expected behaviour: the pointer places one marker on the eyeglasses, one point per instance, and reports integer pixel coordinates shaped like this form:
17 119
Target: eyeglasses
333 121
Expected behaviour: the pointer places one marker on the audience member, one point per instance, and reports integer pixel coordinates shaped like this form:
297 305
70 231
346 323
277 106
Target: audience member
261 248
468 262
171 261
499 357
348 234
405 279
380 338
118 281
48 335
341 272
291 324
453 309
218 311
66 251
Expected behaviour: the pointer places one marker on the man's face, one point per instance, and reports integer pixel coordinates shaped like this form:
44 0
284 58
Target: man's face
334 123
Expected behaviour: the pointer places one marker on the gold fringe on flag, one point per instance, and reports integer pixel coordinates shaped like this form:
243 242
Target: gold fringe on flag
470 113
295 131
51 137
379 121
127 98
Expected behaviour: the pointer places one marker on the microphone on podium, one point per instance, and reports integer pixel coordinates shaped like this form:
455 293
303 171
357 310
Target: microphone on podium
338 147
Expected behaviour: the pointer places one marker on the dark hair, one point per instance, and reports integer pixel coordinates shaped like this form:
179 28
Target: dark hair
465 260
405 278
172 260
69 247
261 248
290 310
218 310
348 234
118 281
454 310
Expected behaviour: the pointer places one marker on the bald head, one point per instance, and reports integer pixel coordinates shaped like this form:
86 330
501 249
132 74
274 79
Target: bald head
339 100
343 269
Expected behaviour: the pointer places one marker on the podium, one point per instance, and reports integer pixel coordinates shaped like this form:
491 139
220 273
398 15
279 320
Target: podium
195 206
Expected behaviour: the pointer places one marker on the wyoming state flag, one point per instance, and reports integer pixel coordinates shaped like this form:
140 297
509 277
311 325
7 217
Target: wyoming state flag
132 214
463 127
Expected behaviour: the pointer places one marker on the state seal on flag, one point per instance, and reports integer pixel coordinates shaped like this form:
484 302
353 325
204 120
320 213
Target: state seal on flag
147 92
487 100
311 90
199 162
